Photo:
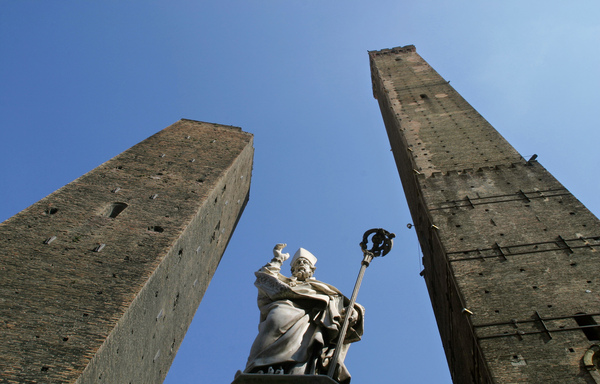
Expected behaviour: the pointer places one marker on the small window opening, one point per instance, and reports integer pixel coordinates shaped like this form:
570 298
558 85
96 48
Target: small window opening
115 209
589 326
51 211
423 96
156 228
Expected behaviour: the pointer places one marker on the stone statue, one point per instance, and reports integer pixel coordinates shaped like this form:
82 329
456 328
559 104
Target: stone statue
300 318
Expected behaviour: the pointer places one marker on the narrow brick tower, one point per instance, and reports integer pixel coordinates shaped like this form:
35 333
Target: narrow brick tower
511 258
101 278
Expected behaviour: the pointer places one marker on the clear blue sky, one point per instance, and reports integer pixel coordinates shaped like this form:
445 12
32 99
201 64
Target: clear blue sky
82 81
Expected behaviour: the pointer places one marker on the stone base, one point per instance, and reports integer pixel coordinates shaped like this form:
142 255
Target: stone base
256 378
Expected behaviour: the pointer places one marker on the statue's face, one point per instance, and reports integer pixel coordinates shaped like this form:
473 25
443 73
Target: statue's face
302 269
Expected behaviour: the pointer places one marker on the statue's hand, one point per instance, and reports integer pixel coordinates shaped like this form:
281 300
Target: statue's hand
278 254
353 316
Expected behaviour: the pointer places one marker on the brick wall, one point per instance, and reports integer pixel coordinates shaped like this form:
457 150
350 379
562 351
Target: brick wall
510 255
101 278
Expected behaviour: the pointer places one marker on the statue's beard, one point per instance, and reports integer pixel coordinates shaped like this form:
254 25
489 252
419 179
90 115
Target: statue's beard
302 273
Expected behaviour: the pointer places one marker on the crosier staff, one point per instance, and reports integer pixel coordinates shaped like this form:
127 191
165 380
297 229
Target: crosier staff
382 243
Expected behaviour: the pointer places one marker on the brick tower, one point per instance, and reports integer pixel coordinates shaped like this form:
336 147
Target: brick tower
510 257
101 278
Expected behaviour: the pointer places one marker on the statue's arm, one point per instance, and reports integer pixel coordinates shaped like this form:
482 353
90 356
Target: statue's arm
274 266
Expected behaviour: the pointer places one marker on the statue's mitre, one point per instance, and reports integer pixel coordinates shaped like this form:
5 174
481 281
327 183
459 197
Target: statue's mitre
305 254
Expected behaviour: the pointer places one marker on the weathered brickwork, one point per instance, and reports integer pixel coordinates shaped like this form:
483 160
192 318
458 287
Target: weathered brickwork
101 278
510 255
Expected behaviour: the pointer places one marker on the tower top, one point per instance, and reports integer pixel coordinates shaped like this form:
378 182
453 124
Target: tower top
386 51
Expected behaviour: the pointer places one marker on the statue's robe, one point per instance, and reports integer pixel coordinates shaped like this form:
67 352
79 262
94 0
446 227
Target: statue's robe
299 325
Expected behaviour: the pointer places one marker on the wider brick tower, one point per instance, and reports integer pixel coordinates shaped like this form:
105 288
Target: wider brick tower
511 257
100 279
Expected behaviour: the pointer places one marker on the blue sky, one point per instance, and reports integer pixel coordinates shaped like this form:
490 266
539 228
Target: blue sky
83 81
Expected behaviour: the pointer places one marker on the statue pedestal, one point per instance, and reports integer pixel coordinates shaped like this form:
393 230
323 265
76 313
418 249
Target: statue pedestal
256 378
